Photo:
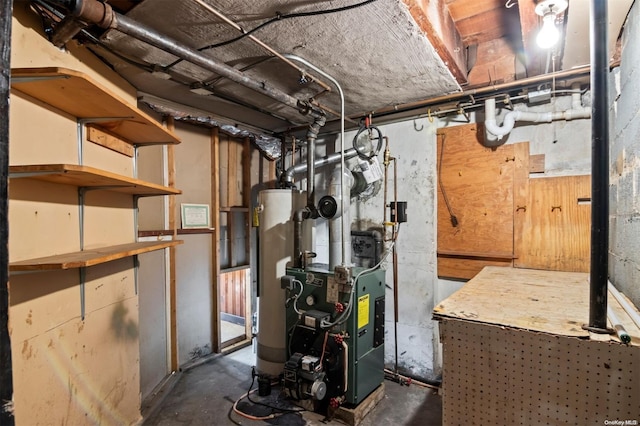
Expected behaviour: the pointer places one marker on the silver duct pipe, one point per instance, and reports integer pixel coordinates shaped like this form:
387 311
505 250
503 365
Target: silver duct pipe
287 177
101 14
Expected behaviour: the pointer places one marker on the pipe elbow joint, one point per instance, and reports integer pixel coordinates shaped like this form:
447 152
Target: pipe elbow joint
493 130
582 112
286 180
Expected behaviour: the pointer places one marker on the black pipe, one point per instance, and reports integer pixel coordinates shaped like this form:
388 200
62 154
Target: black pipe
6 372
298 217
599 167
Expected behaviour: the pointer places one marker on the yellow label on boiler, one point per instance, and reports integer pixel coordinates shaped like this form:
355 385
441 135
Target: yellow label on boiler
363 310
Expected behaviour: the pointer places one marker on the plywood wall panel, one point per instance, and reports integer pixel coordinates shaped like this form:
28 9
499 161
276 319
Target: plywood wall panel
108 219
41 302
478 182
194 304
154 363
40 135
56 378
150 168
555 226
108 284
466 267
50 214
193 164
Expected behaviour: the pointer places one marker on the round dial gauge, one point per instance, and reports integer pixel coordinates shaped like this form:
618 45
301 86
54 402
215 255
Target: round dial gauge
311 300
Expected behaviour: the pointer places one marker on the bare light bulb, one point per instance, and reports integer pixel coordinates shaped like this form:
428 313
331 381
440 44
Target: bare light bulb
549 34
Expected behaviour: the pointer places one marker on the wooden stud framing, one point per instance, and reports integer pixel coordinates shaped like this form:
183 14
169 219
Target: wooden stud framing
171 181
215 243
246 201
232 173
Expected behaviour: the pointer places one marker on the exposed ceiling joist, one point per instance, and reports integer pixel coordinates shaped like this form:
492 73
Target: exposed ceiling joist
435 21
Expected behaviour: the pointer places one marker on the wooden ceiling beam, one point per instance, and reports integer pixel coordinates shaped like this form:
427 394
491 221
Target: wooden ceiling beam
433 18
529 23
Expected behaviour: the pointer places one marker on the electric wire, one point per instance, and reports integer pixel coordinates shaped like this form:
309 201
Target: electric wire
235 409
296 297
454 219
278 17
343 317
284 410
374 152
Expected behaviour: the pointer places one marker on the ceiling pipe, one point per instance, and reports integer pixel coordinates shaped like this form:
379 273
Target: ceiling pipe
401 111
495 133
598 274
487 90
346 231
312 135
101 14
260 43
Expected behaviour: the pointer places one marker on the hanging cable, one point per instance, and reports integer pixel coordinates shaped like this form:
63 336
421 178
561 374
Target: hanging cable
283 411
454 219
250 391
278 17
366 125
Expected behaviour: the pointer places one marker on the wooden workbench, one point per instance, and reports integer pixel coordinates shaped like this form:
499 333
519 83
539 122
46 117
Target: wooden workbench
515 352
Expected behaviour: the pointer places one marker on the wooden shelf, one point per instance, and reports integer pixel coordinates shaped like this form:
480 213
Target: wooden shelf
90 257
79 95
162 232
481 255
239 209
89 177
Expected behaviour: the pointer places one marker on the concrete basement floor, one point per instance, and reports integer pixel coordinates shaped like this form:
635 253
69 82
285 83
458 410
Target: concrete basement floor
204 395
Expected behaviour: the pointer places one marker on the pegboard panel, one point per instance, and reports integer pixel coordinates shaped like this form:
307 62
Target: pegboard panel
496 375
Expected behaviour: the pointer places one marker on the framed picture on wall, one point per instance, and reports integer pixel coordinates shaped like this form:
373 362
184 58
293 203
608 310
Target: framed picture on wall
195 216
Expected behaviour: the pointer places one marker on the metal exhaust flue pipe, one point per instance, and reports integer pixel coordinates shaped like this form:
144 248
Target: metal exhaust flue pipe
599 168
286 179
101 14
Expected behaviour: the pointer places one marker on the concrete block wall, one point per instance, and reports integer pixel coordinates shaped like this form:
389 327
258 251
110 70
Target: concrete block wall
414 148
624 127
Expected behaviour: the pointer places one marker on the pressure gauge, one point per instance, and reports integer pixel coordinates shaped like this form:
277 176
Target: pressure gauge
311 300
